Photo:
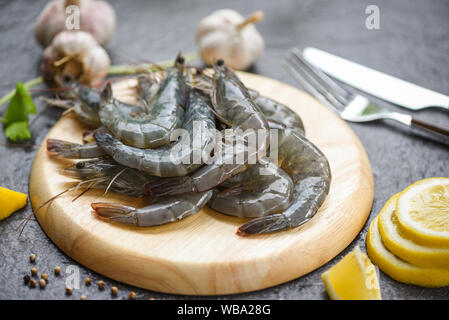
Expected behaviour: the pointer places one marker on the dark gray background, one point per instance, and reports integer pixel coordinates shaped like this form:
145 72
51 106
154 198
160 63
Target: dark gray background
413 44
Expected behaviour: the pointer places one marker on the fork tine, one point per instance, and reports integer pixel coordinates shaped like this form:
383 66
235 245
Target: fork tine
317 85
307 85
327 82
329 93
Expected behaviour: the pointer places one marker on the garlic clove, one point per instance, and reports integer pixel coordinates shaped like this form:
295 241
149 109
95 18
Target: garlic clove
77 55
49 22
99 19
96 17
228 35
221 20
215 46
96 65
72 42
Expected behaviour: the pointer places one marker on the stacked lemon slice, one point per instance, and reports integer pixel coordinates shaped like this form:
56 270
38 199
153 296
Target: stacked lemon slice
409 239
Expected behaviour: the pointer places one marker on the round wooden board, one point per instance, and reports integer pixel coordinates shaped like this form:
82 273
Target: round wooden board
202 255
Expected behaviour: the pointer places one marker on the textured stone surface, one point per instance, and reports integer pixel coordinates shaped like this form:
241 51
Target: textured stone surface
413 44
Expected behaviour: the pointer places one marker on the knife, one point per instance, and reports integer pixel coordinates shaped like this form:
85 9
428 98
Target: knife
381 85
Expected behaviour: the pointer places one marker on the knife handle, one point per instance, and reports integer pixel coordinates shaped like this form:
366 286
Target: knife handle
440 132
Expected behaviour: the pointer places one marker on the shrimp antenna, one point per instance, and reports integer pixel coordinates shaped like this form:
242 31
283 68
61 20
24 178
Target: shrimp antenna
24 223
92 183
28 218
89 187
82 192
113 179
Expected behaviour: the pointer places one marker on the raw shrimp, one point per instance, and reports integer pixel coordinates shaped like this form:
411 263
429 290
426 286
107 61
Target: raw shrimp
108 175
311 175
250 194
273 110
234 106
85 101
165 210
176 159
71 150
86 105
165 112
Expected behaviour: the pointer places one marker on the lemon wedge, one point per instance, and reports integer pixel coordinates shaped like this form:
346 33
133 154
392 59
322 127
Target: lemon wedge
422 210
399 269
353 278
10 201
397 241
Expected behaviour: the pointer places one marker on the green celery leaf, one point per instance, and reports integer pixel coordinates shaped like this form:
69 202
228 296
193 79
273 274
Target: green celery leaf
20 106
18 131
15 120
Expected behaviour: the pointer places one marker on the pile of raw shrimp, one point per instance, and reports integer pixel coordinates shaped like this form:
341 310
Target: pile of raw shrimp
133 152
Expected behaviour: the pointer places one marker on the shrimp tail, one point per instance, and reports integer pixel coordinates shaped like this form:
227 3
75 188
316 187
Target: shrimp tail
116 212
111 210
267 224
60 148
169 186
70 150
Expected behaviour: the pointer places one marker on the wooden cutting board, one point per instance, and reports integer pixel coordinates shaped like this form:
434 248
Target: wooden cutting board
202 255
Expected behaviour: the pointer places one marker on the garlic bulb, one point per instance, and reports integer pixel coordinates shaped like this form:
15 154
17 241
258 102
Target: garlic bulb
227 35
95 16
75 55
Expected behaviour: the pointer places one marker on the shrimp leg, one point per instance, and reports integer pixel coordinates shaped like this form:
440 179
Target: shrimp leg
310 172
166 210
176 159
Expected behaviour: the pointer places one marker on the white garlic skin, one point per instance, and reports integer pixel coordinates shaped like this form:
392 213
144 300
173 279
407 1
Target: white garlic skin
96 17
219 38
85 52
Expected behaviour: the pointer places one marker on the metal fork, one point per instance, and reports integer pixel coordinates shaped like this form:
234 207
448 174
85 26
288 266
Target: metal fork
350 106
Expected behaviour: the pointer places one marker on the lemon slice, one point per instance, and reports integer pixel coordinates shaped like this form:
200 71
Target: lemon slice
353 278
399 269
423 211
10 201
397 241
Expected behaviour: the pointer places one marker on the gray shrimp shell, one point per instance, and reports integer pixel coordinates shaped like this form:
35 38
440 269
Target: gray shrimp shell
151 130
175 159
262 194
